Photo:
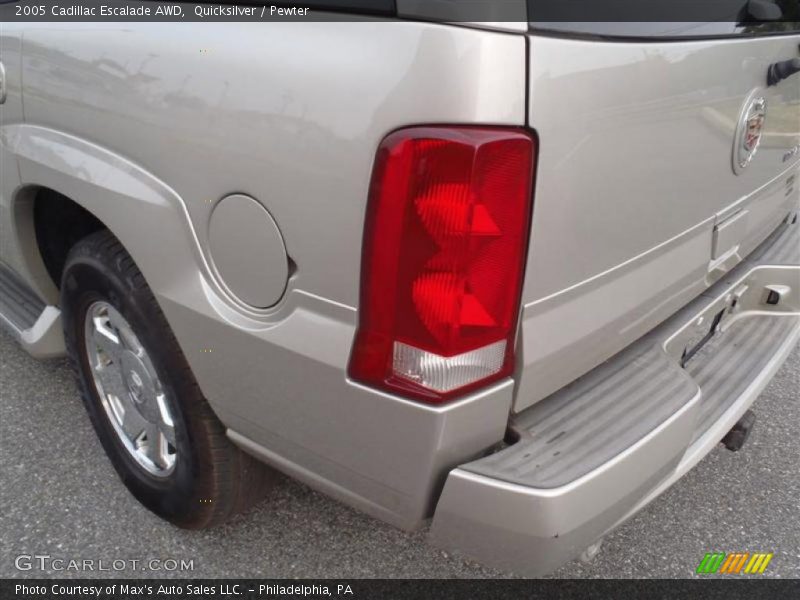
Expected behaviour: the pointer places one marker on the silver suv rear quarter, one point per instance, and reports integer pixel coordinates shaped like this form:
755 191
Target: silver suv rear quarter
642 208
642 235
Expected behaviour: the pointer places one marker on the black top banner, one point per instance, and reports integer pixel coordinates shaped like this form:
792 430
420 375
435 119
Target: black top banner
774 15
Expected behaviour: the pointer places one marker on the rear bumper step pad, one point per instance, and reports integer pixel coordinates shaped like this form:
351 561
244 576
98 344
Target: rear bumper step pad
594 453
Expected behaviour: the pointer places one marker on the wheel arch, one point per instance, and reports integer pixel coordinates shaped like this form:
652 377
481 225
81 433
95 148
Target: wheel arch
142 212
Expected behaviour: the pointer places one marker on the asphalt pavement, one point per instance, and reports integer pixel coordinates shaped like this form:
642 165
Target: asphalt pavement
60 497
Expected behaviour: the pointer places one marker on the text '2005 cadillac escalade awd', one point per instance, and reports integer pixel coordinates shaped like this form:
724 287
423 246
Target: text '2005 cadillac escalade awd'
512 279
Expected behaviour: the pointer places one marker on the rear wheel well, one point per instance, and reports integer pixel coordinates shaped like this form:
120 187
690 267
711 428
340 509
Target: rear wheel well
60 223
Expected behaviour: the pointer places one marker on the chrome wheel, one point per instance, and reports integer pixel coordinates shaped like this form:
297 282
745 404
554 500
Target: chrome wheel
130 390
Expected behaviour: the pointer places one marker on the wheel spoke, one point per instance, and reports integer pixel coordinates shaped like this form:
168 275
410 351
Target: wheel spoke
118 397
133 423
151 450
111 382
125 334
163 451
168 433
166 426
106 339
157 448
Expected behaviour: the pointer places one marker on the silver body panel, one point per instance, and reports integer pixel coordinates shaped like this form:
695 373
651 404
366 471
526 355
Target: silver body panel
634 174
149 126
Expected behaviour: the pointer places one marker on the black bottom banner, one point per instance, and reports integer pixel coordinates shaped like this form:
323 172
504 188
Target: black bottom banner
254 589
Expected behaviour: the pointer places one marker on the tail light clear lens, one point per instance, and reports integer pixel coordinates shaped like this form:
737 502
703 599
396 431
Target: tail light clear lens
444 250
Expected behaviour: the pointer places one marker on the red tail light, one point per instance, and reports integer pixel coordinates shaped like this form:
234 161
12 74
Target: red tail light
444 250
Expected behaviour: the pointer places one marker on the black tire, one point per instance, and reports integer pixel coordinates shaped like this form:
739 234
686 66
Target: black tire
212 479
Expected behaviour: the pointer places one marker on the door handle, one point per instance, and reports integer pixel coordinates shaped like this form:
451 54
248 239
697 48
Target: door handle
2 83
781 70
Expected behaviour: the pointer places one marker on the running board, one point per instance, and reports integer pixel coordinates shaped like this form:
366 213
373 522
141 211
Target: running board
36 325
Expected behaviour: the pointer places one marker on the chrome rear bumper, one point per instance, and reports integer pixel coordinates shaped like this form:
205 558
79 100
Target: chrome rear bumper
596 452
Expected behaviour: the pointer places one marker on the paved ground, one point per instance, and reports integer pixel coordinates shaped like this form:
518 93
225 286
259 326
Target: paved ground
59 496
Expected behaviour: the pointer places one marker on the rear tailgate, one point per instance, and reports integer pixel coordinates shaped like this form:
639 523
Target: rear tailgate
642 200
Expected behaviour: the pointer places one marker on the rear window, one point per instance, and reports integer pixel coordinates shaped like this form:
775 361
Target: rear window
665 18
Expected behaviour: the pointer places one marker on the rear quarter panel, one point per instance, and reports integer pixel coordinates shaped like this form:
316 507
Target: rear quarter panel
290 114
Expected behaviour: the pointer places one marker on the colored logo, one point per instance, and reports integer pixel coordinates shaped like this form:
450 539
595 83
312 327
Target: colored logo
736 562
748 134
